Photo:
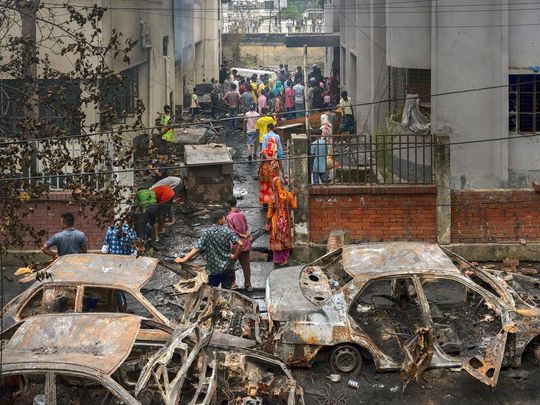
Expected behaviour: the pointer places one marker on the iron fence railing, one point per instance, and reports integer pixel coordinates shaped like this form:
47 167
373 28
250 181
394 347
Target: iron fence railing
373 159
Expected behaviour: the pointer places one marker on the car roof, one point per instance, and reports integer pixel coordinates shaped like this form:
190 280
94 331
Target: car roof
94 340
128 271
374 259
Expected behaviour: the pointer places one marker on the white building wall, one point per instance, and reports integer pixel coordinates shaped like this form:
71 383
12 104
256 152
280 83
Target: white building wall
466 47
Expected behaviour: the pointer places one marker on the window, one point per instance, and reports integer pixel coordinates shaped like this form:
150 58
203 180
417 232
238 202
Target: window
119 96
464 323
50 300
59 102
388 311
98 299
524 103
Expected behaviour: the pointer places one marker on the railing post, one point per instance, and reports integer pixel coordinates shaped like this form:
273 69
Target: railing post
300 175
441 164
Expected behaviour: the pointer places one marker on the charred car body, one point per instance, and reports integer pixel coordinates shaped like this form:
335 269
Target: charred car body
405 305
122 359
86 283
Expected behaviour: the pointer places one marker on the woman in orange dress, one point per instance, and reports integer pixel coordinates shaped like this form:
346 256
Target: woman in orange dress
269 169
279 222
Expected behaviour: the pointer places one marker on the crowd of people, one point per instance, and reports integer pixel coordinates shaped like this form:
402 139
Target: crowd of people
263 102
282 92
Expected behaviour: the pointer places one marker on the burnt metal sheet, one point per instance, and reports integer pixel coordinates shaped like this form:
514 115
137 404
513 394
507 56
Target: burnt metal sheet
190 136
128 271
204 155
414 257
315 40
284 297
97 341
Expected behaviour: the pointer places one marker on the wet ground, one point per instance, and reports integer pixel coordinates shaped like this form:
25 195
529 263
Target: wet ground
519 386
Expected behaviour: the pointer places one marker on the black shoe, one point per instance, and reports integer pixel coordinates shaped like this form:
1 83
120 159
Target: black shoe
250 158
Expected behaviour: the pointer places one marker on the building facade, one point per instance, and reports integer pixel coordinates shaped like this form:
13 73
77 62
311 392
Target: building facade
474 68
197 32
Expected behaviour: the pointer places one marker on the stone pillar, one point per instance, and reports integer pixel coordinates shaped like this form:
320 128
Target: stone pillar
441 165
299 169
337 239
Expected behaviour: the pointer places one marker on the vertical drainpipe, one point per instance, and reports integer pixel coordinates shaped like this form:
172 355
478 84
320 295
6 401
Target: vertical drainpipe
146 44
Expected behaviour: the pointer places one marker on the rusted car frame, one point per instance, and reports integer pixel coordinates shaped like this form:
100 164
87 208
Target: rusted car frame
332 306
126 359
71 279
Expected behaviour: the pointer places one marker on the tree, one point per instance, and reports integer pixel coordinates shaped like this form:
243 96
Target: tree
50 132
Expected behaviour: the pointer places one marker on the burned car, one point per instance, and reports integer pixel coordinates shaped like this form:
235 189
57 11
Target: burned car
125 359
406 306
86 283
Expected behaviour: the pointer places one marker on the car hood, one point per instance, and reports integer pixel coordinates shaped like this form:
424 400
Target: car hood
284 298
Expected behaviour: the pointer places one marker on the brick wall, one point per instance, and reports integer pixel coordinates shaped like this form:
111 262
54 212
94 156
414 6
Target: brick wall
46 215
371 214
495 216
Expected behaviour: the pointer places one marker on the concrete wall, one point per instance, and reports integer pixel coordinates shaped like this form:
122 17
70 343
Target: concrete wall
197 32
466 47
270 55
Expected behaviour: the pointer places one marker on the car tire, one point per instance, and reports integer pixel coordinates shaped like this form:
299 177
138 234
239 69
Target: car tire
346 359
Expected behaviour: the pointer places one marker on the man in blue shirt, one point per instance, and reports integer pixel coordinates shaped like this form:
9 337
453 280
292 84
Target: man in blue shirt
216 243
68 241
272 134
319 151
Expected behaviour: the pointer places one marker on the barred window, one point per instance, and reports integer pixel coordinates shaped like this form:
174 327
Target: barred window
119 97
59 102
524 103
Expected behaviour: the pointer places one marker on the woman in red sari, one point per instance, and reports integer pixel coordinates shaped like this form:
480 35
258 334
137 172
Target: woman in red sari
269 169
279 222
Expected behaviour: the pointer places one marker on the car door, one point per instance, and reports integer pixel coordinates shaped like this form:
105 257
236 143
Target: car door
389 312
470 325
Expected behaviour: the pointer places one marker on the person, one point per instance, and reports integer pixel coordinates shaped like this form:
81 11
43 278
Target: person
165 199
269 169
319 151
216 243
315 95
147 200
279 223
167 132
236 81
247 99
120 238
262 102
250 123
161 169
347 115
262 124
232 98
214 98
277 138
298 75
195 106
237 222
68 241
289 100
171 181
299 98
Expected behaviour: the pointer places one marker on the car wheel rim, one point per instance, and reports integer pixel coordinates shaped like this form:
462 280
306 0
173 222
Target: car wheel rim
345 359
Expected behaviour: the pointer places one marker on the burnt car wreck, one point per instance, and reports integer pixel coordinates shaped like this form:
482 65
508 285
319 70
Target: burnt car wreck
125 359
407 307
187 344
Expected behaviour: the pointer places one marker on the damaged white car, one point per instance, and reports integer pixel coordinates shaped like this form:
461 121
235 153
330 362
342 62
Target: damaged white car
405 306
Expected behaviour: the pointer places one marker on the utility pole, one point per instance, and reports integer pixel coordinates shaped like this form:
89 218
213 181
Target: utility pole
306 94
28 11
